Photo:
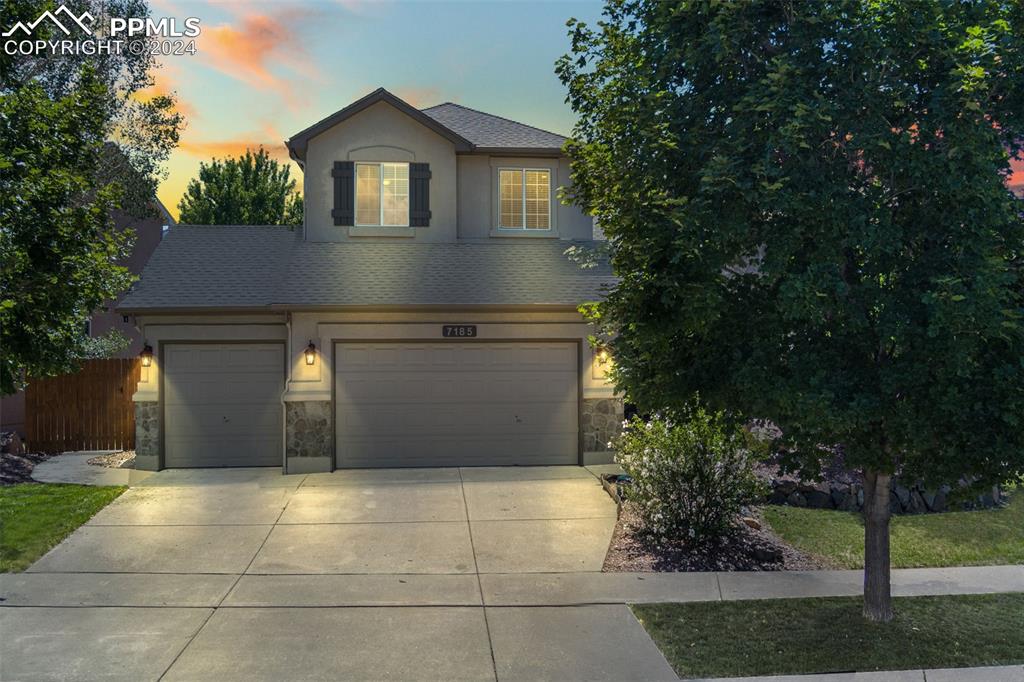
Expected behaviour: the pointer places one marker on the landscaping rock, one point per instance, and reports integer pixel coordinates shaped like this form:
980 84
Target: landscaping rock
751 522
795 499
11 443
18 468
817 499
903 495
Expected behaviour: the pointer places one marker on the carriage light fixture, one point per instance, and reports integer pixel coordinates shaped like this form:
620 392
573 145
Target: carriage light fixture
602 355
311 353
147 355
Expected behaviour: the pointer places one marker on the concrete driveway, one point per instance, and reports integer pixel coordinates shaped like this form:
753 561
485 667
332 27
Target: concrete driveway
246 574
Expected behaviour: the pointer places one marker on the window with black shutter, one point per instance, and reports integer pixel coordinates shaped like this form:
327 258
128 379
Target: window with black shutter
419 194
344 193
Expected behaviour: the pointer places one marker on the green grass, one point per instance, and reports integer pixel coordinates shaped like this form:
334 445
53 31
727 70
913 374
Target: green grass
975 538
36 516
817 635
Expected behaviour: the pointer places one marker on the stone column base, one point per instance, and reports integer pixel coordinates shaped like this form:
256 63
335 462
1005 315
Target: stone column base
600 422
147 436
307 427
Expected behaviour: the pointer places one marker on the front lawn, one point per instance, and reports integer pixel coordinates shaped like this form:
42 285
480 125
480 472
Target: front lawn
975 538
818 635
36 516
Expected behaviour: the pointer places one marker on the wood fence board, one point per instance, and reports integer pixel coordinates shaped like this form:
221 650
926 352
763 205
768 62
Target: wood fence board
90 409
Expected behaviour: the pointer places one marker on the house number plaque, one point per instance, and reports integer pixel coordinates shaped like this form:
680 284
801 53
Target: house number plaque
458 331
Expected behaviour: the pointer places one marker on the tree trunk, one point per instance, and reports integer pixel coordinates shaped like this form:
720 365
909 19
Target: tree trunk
877 590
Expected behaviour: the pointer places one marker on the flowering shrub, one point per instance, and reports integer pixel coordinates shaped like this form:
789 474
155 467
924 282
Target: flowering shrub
690 477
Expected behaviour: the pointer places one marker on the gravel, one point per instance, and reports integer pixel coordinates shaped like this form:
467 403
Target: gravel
117 460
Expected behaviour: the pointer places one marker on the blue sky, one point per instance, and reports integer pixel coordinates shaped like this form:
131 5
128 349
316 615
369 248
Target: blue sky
265 70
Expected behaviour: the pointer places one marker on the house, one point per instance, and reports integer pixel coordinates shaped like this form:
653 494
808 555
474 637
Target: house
425 314
149 230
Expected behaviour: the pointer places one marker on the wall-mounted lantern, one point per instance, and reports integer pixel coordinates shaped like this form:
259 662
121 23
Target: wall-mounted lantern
311 353
146 355
602 355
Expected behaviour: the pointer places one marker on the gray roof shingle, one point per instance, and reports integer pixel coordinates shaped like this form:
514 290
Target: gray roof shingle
257 267
213 266
490 131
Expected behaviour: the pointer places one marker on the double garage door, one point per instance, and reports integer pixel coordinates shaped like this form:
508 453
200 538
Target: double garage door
397 404
455 404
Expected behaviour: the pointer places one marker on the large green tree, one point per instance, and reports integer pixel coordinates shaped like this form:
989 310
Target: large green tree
806 205
77 140
253 189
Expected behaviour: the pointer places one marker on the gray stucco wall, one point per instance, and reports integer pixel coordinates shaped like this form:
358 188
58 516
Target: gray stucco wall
379 133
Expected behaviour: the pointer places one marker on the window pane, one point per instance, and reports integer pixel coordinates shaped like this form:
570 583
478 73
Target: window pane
511 185
396 193
538 199
367 194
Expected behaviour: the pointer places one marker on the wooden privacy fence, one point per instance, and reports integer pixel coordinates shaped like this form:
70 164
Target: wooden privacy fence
89 410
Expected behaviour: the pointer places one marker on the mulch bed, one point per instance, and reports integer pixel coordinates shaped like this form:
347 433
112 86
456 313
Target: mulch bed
748 549
116 460
18 468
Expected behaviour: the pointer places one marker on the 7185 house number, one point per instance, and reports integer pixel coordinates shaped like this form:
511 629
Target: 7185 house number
464 331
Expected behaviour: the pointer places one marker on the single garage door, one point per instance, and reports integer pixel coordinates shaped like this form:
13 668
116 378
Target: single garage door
222 404
456 404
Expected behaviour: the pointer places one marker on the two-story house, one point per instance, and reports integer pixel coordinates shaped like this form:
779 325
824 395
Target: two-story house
424 315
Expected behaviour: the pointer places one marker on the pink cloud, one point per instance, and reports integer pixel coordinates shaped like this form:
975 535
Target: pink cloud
247 48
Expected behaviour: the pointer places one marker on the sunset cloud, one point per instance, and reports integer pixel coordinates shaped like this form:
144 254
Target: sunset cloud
209 149
420 97
246 48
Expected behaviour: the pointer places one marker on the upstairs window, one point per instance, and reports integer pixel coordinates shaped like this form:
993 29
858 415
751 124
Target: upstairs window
382 194
525 195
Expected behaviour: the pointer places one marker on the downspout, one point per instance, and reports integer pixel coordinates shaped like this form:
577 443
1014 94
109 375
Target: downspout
287 381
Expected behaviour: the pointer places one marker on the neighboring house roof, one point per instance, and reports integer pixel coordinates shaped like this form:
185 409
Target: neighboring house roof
468 129
487 131
217 267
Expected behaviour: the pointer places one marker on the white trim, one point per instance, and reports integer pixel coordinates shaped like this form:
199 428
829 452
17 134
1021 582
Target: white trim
524 228
380 187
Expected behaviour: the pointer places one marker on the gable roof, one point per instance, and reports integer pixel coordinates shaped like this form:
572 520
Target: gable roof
298 142
468 129
490 132
199 268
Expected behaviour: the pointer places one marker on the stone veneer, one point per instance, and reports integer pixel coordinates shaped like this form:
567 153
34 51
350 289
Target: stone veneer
600 421
307 426
147 434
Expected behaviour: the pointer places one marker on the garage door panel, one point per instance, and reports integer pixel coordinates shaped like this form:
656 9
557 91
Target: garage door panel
506 419
444 404
461 387
222 404
420 451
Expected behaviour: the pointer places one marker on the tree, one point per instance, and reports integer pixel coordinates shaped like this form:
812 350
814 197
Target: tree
77 139
807 211
253 189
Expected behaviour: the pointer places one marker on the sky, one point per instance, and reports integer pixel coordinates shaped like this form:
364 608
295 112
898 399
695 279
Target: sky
263 71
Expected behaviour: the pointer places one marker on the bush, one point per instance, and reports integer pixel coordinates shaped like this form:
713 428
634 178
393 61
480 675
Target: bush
690 477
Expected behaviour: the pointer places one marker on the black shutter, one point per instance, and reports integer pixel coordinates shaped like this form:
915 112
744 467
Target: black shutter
344 174
419 194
